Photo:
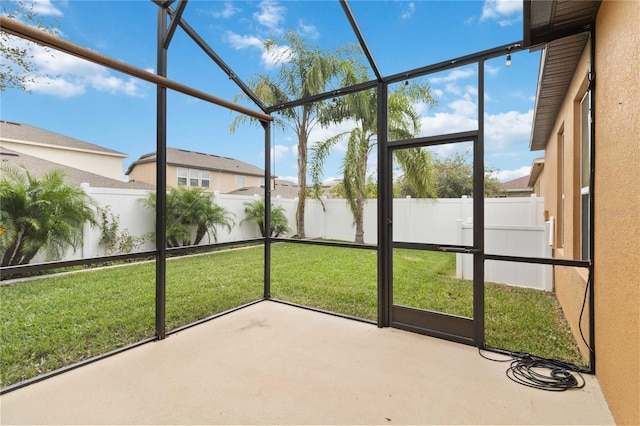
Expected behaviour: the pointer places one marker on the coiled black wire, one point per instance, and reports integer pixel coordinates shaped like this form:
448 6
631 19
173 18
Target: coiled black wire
540 373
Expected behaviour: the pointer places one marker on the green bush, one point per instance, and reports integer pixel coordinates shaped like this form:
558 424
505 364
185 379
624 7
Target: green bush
40 215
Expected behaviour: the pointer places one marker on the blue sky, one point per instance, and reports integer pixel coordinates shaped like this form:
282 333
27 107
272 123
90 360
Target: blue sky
104 107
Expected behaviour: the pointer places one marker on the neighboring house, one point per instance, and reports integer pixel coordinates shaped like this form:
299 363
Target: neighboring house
328 186
518 187
536 177
196 169
72 176
587 81
281 188
40 143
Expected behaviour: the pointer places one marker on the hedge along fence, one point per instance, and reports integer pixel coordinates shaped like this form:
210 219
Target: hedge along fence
512 226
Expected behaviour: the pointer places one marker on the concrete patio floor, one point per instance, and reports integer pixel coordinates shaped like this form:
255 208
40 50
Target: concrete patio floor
272 363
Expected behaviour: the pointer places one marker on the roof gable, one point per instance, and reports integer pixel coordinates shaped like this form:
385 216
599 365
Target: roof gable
20 132
519 184
198 160
72 176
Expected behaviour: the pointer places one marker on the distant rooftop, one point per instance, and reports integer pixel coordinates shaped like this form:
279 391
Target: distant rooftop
519 184
282 188
25 133
199 160
72 176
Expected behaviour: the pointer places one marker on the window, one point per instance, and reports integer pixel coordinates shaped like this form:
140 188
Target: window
193 177
261 182
204 181
585 173
241 180
182 176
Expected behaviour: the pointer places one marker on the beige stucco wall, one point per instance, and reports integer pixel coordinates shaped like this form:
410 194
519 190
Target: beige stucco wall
617 209
144 172
617 205
569 283
94 162
222 182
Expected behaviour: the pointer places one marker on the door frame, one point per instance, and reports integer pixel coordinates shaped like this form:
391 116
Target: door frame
450 327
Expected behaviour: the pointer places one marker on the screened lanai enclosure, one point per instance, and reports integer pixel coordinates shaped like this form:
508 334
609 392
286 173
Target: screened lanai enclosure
350 164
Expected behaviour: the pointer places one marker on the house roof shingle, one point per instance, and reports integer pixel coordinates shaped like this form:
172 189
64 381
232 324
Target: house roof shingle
26 133
519 184
184 158
72 176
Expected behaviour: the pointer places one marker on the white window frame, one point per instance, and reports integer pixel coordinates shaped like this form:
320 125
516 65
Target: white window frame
194 177
241 180
184 175
585 163
205 179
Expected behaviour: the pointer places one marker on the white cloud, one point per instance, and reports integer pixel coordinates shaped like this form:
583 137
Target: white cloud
504 131
227 12
464 107
506 12
108 83
507 175
453 88
443 123
270 58
276 55
44 7
454 75
279 152
492 71
63 75
322 133
308 30
271 14
408 10
507 129
238 41
56 87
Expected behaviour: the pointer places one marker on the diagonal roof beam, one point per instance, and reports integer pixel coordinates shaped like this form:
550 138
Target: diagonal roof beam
363 42
17 28
218 60
175 19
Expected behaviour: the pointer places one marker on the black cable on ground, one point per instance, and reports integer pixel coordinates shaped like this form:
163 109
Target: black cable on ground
539 373
584 302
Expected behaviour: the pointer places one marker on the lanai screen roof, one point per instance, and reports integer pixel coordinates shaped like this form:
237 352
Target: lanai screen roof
218 46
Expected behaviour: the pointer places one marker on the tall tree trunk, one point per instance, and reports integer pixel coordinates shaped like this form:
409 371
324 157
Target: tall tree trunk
360 221
302 182
12 250
361 191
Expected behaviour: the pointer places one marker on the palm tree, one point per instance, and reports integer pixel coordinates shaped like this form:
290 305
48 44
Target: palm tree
304 71
254 212
40 214
191 212
361 107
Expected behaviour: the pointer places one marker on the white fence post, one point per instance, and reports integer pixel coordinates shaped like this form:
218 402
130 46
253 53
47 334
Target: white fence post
459 257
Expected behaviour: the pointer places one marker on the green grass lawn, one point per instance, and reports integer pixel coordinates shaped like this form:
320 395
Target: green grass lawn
55 321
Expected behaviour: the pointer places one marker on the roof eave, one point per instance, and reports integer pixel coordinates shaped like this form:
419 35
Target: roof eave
562 25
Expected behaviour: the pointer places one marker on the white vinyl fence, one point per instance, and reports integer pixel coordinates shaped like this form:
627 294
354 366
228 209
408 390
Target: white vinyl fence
514 226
